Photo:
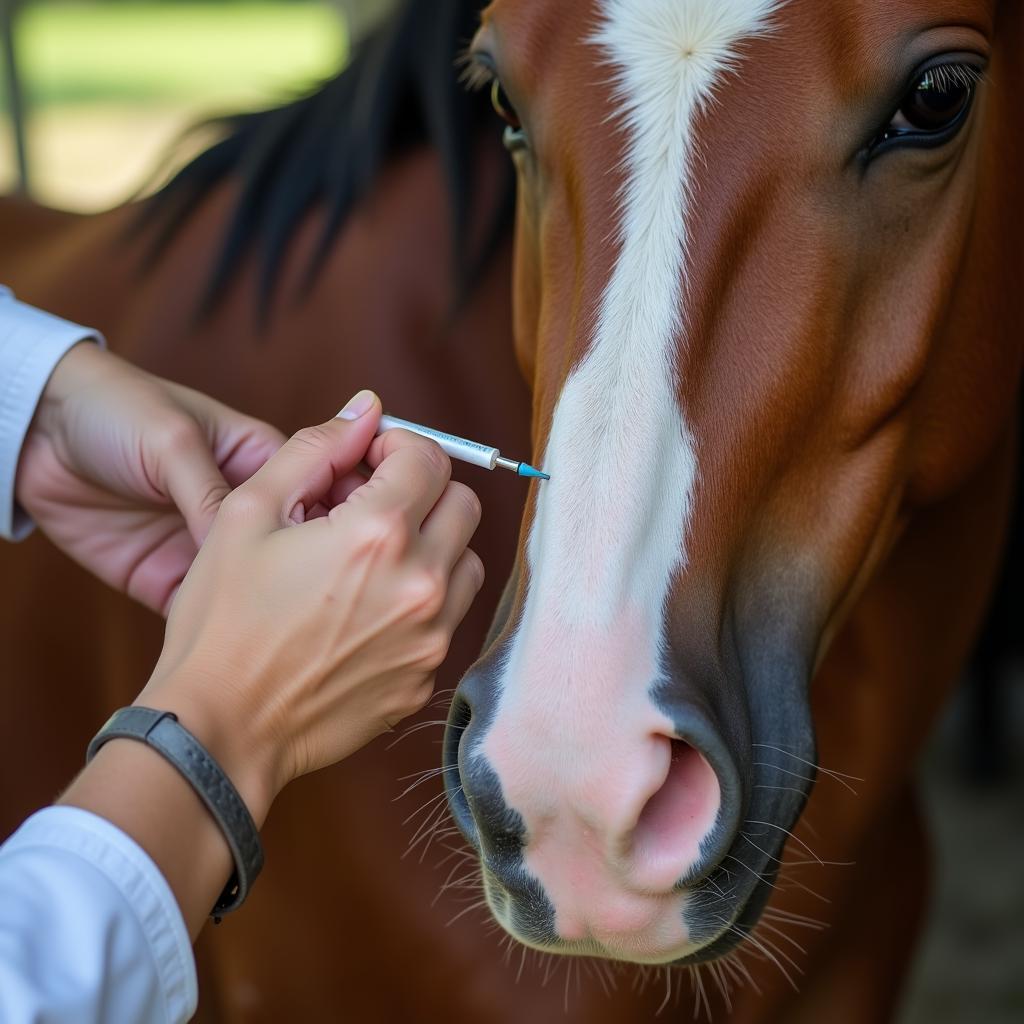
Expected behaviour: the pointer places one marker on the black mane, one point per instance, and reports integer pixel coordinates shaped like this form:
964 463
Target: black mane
400 90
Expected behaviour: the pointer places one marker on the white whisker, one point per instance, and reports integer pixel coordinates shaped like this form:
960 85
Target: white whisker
840 777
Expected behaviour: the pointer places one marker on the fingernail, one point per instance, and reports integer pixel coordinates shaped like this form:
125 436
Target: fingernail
358 405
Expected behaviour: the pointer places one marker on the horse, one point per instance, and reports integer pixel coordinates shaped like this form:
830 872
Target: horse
765 269
355 237
364 231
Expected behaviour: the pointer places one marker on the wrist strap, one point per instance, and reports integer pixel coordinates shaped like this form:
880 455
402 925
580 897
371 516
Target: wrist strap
162 731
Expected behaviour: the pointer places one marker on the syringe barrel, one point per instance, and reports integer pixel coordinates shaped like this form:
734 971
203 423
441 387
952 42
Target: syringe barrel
456 447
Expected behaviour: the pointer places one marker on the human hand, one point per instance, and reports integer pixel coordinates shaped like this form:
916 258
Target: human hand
321 605
125 471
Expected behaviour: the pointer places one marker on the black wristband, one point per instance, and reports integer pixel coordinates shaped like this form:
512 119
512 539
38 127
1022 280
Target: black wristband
162 731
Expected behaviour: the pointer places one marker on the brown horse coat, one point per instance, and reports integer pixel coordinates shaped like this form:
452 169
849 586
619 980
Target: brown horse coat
340 926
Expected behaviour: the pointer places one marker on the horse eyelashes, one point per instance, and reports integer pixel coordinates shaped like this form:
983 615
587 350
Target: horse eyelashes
477 71
933 109
945 76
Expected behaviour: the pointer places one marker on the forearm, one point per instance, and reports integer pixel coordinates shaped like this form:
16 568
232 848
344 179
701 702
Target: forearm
134 788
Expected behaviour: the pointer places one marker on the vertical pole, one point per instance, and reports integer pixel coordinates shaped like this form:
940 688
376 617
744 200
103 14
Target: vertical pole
15 97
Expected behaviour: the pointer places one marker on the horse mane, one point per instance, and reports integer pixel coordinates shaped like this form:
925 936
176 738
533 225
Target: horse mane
400 90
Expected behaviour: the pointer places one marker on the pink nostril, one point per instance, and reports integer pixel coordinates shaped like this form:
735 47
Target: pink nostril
674 821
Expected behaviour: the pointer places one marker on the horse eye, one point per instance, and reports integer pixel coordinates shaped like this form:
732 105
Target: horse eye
934 108
503 106
938 98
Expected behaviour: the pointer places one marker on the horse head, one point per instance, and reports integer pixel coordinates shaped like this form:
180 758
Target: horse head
753 239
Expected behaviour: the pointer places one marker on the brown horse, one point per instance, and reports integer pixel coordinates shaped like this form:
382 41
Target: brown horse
767 298
790 395
392 181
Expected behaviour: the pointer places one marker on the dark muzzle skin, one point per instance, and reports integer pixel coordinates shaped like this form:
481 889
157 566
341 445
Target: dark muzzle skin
743 720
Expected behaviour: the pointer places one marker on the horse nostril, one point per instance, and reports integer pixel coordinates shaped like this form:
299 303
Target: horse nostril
459 716
678 817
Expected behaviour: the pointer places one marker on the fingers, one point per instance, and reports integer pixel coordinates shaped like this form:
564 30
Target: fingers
155 580
410 474
391 441
340 490
466 580
194 482
241 444
306 468
249 445
447 531
208 451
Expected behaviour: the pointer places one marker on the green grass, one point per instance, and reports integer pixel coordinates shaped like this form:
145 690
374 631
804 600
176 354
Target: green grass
217 55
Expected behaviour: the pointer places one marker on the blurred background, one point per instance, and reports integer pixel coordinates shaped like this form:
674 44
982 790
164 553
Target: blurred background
103 89
102 94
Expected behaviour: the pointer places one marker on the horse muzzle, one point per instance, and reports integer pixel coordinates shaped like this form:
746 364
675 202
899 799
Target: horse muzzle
601 832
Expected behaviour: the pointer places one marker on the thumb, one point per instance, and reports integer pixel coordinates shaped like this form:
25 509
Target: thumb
311 461
195 484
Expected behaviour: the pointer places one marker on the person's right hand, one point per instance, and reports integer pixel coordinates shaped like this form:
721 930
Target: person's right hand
322 604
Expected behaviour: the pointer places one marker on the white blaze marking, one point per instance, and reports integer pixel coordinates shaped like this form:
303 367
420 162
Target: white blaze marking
611 525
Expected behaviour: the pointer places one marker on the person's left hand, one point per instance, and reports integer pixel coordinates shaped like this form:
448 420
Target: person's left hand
125 471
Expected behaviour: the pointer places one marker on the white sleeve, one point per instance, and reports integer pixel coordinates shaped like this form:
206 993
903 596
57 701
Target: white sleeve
32 343
90 932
